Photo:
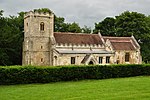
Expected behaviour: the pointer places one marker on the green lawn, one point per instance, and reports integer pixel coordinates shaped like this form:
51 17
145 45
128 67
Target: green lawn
135 88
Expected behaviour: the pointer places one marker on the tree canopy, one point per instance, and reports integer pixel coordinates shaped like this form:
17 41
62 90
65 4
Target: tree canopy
11 38
101 26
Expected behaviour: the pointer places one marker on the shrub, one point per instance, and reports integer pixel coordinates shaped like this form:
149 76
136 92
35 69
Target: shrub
33 74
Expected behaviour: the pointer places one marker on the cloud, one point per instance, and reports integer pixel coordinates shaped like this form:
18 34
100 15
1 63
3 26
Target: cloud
84 12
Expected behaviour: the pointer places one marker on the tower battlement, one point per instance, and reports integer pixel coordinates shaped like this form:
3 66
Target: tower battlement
37 13
38 31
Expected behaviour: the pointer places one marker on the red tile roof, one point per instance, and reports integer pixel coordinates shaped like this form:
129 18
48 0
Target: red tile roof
122 43
118 43
123 46
77 38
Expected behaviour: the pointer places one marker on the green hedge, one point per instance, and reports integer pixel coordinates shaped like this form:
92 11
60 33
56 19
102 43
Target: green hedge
30 74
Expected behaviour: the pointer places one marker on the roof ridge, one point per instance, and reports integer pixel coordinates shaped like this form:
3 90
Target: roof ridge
120 40
114 37
77 38
74 33
133 44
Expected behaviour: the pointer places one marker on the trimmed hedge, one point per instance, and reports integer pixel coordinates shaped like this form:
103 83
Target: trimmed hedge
30 74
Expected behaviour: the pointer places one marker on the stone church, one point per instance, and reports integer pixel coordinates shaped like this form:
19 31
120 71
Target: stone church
42 46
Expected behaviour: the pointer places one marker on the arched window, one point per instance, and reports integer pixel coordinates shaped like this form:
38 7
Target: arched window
91 63
55 60
42 26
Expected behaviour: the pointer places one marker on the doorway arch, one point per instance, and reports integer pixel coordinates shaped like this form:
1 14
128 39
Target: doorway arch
91 63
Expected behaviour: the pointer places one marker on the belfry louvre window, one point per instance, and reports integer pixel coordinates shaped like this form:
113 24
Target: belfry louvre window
127 56
72 60
42 26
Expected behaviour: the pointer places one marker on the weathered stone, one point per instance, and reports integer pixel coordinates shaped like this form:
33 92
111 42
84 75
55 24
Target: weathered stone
44 47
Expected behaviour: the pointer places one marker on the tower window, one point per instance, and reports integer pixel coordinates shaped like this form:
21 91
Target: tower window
41 47
27 24
127 56
42 26
41 59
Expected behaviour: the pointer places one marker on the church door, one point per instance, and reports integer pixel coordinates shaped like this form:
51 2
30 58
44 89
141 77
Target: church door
91 63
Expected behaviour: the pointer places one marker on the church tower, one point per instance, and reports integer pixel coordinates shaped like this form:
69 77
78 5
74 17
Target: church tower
38 36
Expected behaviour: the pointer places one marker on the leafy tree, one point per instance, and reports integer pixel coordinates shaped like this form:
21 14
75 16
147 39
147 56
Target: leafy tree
131 23
86 29
126 24
1 13
60 25
11 38
106 27
74 27
4 58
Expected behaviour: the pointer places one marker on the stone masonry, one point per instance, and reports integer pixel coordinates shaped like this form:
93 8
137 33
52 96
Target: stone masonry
44 47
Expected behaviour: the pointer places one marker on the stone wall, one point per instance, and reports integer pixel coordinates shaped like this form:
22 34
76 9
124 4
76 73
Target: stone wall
134 58
37 49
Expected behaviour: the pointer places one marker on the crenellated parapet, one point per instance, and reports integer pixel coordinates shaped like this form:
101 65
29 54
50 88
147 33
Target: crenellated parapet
38 14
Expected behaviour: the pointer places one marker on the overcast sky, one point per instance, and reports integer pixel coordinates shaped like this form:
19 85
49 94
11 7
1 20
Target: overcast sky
84 12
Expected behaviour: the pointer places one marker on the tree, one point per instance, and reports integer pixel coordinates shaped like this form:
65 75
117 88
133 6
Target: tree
86 29
4 58
60 25
74 27
131 23
106 27
1 13
11 37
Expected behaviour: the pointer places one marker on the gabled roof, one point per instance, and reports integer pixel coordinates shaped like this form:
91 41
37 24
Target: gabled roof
88 58
118 43
85 59
77 38
122 43
123 46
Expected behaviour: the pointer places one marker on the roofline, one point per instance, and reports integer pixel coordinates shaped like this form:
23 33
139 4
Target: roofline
75 33
135 41
110 43
114 37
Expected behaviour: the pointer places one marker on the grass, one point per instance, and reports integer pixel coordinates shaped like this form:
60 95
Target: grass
134 88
